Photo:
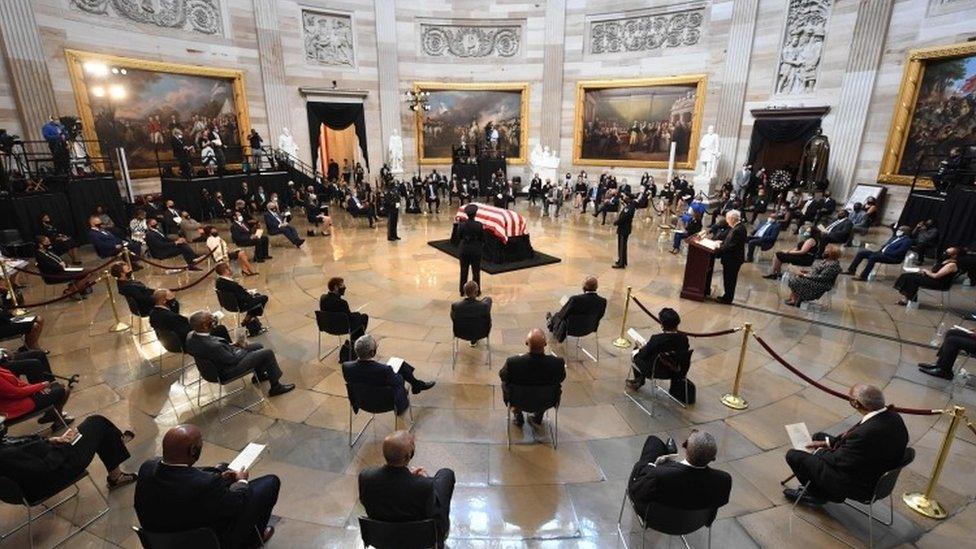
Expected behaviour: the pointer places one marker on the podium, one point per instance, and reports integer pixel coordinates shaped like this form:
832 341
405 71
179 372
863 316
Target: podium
697 283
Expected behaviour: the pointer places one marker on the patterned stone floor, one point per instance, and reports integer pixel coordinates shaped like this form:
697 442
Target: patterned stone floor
531 495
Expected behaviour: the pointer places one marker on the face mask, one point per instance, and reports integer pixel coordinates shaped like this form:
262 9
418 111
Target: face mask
900 233
214 234
341 291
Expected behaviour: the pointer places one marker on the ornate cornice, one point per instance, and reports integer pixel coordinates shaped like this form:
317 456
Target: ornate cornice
202 16
646 30
471 39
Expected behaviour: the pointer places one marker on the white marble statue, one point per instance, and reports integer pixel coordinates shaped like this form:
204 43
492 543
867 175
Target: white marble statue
708 153
287 143
544 163
394 152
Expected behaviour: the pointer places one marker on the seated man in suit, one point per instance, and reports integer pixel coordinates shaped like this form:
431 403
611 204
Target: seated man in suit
849 465
397 493
955 340
926 239
107 244
249 302
370 372
764 237
839 231
357 209
532 368
136 290
161 247
893 251
55 270
277 225
660 477
234 359
670 340
173 496
333 302
39 464
471 309
587 303
163 317
244 235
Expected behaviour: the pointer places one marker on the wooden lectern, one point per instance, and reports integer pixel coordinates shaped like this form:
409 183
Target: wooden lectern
697 283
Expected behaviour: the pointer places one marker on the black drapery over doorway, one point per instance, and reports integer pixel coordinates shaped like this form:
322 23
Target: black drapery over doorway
778 137
336 116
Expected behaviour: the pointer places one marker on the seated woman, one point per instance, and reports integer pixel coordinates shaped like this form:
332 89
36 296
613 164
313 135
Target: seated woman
55 270
810 285
138 227
692 226
939 278
19 398
30 327
802 255
317 213
61 243
221 254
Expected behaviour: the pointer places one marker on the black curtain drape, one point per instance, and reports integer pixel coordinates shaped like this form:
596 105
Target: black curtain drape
85 195
780 130
68 210
336 116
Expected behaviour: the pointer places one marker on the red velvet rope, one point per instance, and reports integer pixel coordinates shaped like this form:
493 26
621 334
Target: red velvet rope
838 394
689 334
71 276
89 284
173 268
195 282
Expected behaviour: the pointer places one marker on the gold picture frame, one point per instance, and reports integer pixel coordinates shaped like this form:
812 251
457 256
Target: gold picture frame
904 114
582 87
522 87
76 59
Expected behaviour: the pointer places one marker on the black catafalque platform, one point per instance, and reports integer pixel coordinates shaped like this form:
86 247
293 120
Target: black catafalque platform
498 257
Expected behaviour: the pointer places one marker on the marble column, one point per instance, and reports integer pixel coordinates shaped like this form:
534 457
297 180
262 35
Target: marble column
29 76
850 114
552 75
733 90
388 72
272 65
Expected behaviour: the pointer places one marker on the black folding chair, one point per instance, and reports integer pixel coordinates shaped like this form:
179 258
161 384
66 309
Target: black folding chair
10 422
209 372
336 324
172 344
375 400
198 538
421 534
228 302
580 326
134 313
882 489
11 492
668 520
678 362
471 330
533 399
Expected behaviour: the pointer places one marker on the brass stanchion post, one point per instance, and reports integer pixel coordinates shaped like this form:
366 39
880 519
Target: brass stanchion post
622 341
128 260
13 291
733 400
119 326
923 503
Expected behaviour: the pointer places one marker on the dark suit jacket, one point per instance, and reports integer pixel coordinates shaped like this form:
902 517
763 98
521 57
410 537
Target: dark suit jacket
470 312
172 499
240 233
471 237
378 374
273 223
664 342
533 369
733 248
104 242
586 303
163 317
858 458
394 494
770 236
676 485
895 248
625 219
138 291
240 293
216 350
160 245
38 465
333 303
50 263
840 232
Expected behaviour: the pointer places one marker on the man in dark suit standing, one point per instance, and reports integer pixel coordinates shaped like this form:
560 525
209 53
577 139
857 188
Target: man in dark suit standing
670 340
392 199
181 150
471 310
368 371
660 477
234 359
161 247
587 303
532 368
334 302
162 317
732 252
850 465
623 222
471 236
172 495
396 492
248 302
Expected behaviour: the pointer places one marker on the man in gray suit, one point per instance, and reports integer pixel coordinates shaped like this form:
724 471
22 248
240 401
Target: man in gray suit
234 359
741 181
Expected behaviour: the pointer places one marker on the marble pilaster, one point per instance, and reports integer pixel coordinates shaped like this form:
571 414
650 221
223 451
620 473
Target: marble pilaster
272 68
733 90
30 79
552 74
387 71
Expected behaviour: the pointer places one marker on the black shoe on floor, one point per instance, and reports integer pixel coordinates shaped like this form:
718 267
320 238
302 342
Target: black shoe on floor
300 242
723 300
793 494
281 389
936 372
617 266
421 386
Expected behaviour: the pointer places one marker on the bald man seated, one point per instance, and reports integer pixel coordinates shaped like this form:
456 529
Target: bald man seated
172 495
587 303
396 492
533 368
367 371
162 317
849 465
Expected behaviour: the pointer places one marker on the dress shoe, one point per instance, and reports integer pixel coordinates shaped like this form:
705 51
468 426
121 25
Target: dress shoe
723 300
267 535
793 494
281 389
633 384
268 258
421 386
300 242
617 266
936 372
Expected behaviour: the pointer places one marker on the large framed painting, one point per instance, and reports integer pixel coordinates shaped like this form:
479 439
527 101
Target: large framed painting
472 112
137 104
633 122
935 111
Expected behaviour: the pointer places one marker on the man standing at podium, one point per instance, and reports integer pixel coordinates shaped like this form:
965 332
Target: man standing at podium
732 252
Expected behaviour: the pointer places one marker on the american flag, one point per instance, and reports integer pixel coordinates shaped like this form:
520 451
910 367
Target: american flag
500 222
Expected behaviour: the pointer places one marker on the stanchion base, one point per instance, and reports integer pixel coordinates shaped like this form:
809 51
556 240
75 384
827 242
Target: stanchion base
119 327
924 506
734 401
621 342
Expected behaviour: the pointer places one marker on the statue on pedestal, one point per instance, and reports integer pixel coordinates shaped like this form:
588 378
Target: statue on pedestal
813 163
287 143
543 163
394 152
708 153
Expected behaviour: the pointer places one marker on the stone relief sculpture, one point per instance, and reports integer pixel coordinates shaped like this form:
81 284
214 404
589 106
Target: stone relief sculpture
328 38
646 32
468 41
806 27
201 16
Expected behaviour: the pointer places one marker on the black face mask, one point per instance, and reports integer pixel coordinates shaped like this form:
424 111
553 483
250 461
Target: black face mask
341 291
214 233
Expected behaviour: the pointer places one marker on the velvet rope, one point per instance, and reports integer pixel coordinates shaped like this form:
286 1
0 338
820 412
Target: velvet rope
828 390
173 268
195 282
89 284
71 276
689 334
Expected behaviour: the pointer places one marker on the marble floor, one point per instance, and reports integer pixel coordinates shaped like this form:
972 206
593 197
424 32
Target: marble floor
530 495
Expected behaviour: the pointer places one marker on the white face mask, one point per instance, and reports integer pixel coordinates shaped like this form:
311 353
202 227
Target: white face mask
900 233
